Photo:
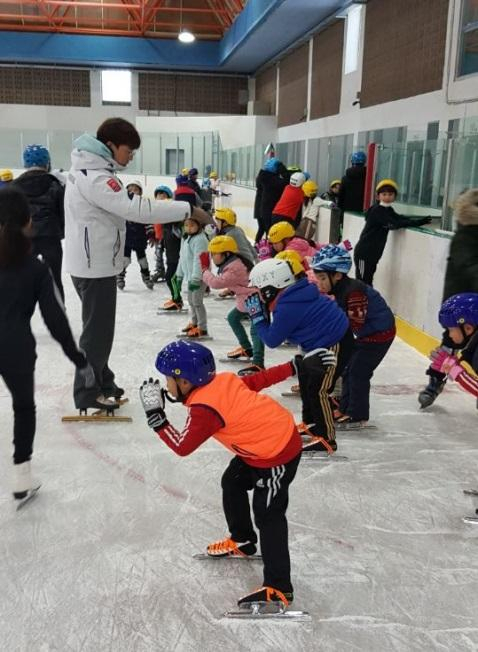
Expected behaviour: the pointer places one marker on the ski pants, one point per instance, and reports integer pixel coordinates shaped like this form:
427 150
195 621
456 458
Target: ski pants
141 257
20 384
98 313
317 382
52 254
365 358
235 318
270 499
365 269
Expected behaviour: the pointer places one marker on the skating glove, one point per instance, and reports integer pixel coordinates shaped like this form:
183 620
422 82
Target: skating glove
445 363
256 310
264 249
204 260
194 285
152 399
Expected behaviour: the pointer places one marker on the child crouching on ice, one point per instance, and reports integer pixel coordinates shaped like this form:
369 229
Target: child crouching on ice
282 236
302 316
459 315
233 273
257 430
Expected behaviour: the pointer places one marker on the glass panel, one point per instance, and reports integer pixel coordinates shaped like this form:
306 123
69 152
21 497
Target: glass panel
11 140
469 39
151 153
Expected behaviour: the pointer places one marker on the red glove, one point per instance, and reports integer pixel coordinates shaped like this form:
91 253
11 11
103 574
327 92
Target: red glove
204 260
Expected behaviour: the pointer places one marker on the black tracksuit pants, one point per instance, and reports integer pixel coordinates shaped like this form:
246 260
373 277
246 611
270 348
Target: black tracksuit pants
365 358
20 384
172 246
317 382
98 312
52 254
270 499
365 269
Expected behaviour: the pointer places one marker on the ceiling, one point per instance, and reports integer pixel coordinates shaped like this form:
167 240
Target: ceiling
229 40
207 19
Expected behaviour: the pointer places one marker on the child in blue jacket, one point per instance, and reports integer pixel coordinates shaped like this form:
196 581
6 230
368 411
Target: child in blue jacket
372 323
300 315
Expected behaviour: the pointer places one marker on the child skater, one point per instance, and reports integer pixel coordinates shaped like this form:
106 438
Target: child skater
24 282
259 432
233 273
283 236
302 316
194 243
372 323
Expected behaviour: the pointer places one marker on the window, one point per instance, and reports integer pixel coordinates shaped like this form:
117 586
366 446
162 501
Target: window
468 62
116 86
352 42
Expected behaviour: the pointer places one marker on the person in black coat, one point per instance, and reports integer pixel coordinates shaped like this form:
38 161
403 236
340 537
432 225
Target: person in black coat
46 196
379 220
24 282
352 187
270 183
461 275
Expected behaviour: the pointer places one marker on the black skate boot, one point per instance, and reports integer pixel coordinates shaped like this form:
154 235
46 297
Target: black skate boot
266 594
433 389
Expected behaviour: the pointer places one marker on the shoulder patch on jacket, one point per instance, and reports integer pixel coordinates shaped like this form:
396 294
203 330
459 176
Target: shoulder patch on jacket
114 185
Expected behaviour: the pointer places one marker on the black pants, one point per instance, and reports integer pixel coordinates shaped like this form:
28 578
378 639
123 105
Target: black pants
141 258
270 499
172 245
21 386
317 382
365 269
263 226
52 253
365 358
98 312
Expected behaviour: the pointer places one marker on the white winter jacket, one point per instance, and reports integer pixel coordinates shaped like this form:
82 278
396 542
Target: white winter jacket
97 208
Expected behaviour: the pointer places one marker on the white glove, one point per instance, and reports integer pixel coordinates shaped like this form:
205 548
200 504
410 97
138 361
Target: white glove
327 357
152 399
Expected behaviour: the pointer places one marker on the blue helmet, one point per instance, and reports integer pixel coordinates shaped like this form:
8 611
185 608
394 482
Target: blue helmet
358 158
271 165
332 258
459 309
182 180
306 175
193 172
36 156
188 360
166 189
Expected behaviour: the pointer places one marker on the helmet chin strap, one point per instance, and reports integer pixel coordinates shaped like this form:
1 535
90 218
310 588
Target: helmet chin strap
179 399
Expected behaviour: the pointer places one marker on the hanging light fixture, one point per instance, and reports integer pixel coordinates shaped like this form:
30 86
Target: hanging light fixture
185 36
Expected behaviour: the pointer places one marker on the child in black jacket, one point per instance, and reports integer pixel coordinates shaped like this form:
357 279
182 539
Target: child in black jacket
379 220
24 281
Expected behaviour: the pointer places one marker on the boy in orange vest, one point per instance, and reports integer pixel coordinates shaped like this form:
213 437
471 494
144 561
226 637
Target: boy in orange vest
257 430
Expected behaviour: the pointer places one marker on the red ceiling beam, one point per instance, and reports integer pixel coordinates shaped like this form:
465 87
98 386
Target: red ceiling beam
96 32
112 5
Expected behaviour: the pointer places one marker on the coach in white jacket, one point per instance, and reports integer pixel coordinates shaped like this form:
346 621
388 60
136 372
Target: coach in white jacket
96 210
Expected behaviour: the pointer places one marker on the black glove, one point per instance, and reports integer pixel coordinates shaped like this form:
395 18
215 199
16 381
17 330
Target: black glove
152 398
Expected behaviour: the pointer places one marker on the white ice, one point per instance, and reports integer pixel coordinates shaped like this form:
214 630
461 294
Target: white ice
101 559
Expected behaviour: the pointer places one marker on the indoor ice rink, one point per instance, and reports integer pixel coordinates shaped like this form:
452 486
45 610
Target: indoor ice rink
101 559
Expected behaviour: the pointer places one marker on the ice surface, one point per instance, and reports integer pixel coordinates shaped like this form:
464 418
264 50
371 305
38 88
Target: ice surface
101 559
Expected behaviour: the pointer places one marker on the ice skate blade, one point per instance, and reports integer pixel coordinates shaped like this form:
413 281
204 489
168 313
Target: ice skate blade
237 360
98 418
228 298
471 520
470 492
21 502
323 456
203 556
291 394
354 426
268 610
163 311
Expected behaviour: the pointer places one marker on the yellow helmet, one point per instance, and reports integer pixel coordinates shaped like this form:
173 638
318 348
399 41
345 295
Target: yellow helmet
280 231
334 182
185 172
222 244
310 188
213 175
6 175
294 259
225 215
387 182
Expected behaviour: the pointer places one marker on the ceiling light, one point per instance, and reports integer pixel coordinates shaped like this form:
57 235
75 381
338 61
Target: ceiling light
185 36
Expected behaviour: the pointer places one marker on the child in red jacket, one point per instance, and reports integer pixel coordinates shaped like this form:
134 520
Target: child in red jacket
289 206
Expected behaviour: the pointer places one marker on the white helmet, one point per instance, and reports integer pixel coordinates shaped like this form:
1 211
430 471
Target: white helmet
135 182
297 179
271 273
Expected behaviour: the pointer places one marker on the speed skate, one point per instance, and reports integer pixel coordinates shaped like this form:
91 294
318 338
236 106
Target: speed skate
203 556
99 416
323 456
473 493
269 611
355 425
